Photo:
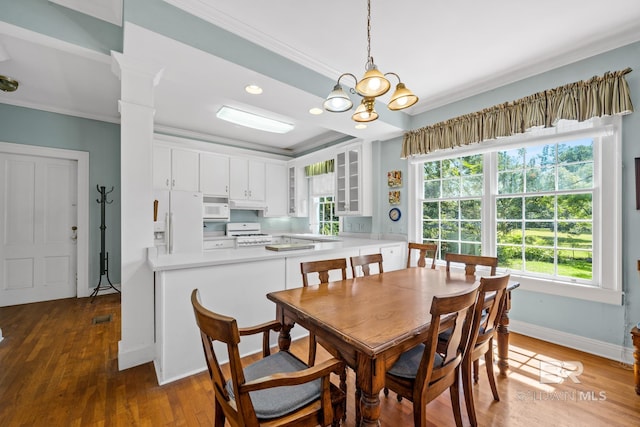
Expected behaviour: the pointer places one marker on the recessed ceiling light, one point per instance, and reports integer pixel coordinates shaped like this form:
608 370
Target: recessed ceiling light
360 126
315 111
253 89
253 121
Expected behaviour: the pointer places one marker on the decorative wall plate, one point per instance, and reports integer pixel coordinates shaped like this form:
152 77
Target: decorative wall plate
394 214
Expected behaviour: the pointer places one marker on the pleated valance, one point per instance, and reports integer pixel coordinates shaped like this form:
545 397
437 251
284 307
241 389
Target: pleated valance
319 168
599 96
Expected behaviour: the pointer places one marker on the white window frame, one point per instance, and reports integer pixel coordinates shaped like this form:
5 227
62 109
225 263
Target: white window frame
607 232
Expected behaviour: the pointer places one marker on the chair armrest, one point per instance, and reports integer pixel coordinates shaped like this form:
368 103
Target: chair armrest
272 325
263 328
295 378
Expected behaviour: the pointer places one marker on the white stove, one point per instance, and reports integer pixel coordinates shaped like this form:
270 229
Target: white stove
248 234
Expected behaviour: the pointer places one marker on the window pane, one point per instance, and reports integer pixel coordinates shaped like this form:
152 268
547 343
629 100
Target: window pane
575 151
509 208
539 207
451 168
541 179
510 257
470 248
449 210
575 206
575 264
539 233
430 210
471 165
511 159
575 235
432 170
510 232
451 187
449 230
448 247
539 260
470 209
472 186
432 189
471 231
510 182
575 176
430 230
542 155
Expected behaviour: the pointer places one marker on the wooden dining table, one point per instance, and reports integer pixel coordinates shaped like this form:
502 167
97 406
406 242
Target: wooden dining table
370 321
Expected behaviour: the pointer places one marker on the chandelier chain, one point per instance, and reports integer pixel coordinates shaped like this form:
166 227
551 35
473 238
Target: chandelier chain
368 31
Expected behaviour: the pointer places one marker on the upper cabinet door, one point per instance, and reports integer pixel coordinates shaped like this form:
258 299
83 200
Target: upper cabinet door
239 179
276 191
214 175
161 168
175 169
184 170
257 184
353 180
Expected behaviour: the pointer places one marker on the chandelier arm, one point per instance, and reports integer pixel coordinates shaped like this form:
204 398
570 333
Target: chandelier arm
393 74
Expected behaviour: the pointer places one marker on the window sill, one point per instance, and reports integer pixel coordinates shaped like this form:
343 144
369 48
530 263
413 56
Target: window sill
587 293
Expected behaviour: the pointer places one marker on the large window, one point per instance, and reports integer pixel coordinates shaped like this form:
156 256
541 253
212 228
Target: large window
541 204
328 222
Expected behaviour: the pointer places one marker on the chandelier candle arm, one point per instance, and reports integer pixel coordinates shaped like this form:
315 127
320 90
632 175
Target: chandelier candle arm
373 84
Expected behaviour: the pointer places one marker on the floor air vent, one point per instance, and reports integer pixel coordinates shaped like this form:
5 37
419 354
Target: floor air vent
102 319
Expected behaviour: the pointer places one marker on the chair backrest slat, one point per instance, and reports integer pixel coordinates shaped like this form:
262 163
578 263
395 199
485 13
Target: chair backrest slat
471 261
323 268
424 250
364 261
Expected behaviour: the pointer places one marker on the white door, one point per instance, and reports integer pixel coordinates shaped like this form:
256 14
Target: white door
38 213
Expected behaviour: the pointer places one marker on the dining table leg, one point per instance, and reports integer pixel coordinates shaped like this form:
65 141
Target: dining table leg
503 336
369 381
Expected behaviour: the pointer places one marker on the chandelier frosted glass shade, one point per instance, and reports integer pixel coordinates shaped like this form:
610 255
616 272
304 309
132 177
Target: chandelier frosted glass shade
338 101
365 111
373 83
401 98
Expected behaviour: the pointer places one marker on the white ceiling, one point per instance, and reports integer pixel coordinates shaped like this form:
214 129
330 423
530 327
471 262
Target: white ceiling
443 51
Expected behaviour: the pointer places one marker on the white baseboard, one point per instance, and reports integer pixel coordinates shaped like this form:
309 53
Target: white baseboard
577 342
139 356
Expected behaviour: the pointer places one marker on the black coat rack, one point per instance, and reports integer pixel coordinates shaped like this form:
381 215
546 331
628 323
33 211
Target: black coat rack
104 256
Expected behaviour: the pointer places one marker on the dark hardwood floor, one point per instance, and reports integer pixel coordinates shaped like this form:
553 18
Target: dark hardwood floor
58 368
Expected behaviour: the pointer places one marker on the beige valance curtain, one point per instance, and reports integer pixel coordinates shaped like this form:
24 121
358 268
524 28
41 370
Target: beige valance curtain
319 168
599 96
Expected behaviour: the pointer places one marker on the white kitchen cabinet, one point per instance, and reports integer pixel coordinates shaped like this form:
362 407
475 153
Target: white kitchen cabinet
276 190
353 180
297 191
247 179
214 175
175 169
393 257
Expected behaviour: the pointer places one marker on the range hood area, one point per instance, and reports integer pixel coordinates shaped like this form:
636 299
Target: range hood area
253 205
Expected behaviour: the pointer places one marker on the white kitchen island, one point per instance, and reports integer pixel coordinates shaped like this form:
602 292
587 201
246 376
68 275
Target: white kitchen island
235 282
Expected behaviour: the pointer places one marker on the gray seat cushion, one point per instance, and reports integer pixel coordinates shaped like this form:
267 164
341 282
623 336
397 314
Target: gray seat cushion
278 401
407 365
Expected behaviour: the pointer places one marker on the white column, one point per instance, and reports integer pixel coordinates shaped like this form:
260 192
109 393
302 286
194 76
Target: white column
137 81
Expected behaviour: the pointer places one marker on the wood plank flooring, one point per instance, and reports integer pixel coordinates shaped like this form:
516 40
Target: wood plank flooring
57 368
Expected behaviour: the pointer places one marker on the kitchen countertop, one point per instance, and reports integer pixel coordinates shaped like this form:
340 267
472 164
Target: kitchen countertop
255 253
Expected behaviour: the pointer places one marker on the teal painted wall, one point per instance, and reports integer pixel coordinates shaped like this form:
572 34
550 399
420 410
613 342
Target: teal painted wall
601 322
102 142
61 23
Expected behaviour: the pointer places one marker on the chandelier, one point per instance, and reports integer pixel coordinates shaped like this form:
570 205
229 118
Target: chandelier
372 85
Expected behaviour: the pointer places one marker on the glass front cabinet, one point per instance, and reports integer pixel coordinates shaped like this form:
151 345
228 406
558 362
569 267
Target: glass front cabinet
353 180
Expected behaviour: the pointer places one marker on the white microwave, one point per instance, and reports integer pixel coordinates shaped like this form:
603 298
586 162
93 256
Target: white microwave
215 209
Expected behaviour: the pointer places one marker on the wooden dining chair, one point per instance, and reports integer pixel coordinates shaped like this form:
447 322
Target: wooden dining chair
471 261
486 316
423 249
364 262
323 268
421 374
255 394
